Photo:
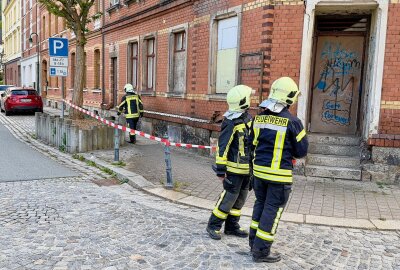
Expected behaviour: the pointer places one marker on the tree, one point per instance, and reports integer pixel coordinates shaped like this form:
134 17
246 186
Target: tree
76 15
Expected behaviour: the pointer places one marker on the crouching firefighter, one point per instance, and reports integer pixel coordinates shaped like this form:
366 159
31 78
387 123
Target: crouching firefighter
131 104
276 138
232 165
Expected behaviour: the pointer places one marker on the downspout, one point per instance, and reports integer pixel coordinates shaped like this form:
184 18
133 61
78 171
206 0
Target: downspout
103 90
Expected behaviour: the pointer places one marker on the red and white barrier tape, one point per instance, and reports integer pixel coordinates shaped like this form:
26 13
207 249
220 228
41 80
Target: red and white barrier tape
140 133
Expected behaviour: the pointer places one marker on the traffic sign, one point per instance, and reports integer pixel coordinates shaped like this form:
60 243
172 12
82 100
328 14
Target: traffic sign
58 47
58 61
59 71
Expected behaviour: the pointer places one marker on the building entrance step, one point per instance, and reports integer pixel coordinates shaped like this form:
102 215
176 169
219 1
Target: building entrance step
333 172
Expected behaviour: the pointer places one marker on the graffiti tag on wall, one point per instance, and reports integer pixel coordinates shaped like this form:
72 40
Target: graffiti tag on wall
337 82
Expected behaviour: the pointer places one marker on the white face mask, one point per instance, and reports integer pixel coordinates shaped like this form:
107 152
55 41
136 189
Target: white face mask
272 105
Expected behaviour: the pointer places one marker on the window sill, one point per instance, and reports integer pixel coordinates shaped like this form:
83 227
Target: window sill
97 91
113 8
175 95
216 97
148 94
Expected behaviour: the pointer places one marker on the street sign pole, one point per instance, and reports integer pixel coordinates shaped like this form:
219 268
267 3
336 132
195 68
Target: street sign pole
58 52
62 96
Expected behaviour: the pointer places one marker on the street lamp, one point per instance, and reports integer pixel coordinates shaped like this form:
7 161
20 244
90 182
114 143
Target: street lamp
37 65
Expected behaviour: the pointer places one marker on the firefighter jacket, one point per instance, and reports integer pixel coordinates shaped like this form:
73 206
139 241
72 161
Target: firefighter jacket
232 154
131 105
275 139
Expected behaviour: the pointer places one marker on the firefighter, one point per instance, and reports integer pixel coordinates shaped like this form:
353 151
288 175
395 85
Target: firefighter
131 104
232 165
276 138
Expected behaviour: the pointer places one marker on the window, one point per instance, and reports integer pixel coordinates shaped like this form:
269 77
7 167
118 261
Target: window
177 61
84 71
180 42
55 24
227 44
72 70
49 17
133 64
150 61
64 24
44 27
224 52
97 69
97 6
114 2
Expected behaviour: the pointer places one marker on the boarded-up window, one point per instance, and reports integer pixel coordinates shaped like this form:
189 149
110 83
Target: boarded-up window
150 57
226 54
44 27
179 63
49 26
97 69
72 70
133 64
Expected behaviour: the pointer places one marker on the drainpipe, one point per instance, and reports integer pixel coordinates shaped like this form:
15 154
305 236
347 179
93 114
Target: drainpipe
103 90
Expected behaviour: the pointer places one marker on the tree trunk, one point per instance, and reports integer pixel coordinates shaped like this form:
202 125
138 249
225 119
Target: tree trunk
77 94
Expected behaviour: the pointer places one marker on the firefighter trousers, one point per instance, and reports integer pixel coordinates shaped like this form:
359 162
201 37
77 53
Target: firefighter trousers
230 203
270 200
132 123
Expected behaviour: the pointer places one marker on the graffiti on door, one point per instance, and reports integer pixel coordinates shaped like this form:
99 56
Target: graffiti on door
338 78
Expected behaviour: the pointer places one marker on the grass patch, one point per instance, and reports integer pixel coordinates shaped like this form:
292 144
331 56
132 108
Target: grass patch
33 136
78 157
381 184
91 163
119 164
178 185
107 171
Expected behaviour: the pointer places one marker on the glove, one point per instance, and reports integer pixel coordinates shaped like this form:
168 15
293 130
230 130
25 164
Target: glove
118 113
141 114
251 183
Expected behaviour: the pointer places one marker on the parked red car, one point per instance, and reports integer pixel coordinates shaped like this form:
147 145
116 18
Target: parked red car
20 99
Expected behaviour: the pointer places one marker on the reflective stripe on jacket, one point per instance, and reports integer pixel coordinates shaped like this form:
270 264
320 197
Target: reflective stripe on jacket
131 105
232 152
275 139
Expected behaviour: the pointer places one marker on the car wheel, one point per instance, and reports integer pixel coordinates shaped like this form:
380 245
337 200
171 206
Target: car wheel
8 113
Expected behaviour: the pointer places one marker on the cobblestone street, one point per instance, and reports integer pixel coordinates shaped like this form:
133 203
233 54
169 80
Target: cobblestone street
91 222
76 224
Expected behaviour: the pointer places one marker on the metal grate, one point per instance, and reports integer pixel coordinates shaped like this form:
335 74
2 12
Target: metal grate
342 24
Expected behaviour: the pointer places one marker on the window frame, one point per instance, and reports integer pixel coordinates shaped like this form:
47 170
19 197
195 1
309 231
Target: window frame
97 68
172 50
213 49
132 58
145 90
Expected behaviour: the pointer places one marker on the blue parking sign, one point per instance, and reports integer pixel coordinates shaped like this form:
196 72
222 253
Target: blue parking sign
58 47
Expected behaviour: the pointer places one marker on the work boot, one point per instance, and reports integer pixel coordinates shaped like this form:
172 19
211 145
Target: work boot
239 232
216 235
266 256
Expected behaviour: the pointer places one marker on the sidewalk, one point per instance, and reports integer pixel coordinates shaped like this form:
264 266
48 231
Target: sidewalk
316 201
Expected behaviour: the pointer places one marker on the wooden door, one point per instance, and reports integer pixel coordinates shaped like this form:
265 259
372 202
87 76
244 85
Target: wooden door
337 84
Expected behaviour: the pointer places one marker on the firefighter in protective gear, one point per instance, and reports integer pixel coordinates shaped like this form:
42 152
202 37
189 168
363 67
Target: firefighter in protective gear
132 106
276 138
232 165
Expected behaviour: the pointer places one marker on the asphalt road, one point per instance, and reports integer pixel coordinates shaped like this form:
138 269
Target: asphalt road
19 162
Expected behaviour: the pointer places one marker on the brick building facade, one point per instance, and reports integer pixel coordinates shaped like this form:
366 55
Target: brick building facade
182 56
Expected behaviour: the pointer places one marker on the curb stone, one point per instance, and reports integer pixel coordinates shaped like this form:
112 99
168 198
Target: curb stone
138 181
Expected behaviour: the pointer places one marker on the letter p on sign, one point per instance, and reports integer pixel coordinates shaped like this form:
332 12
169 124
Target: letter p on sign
58 47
